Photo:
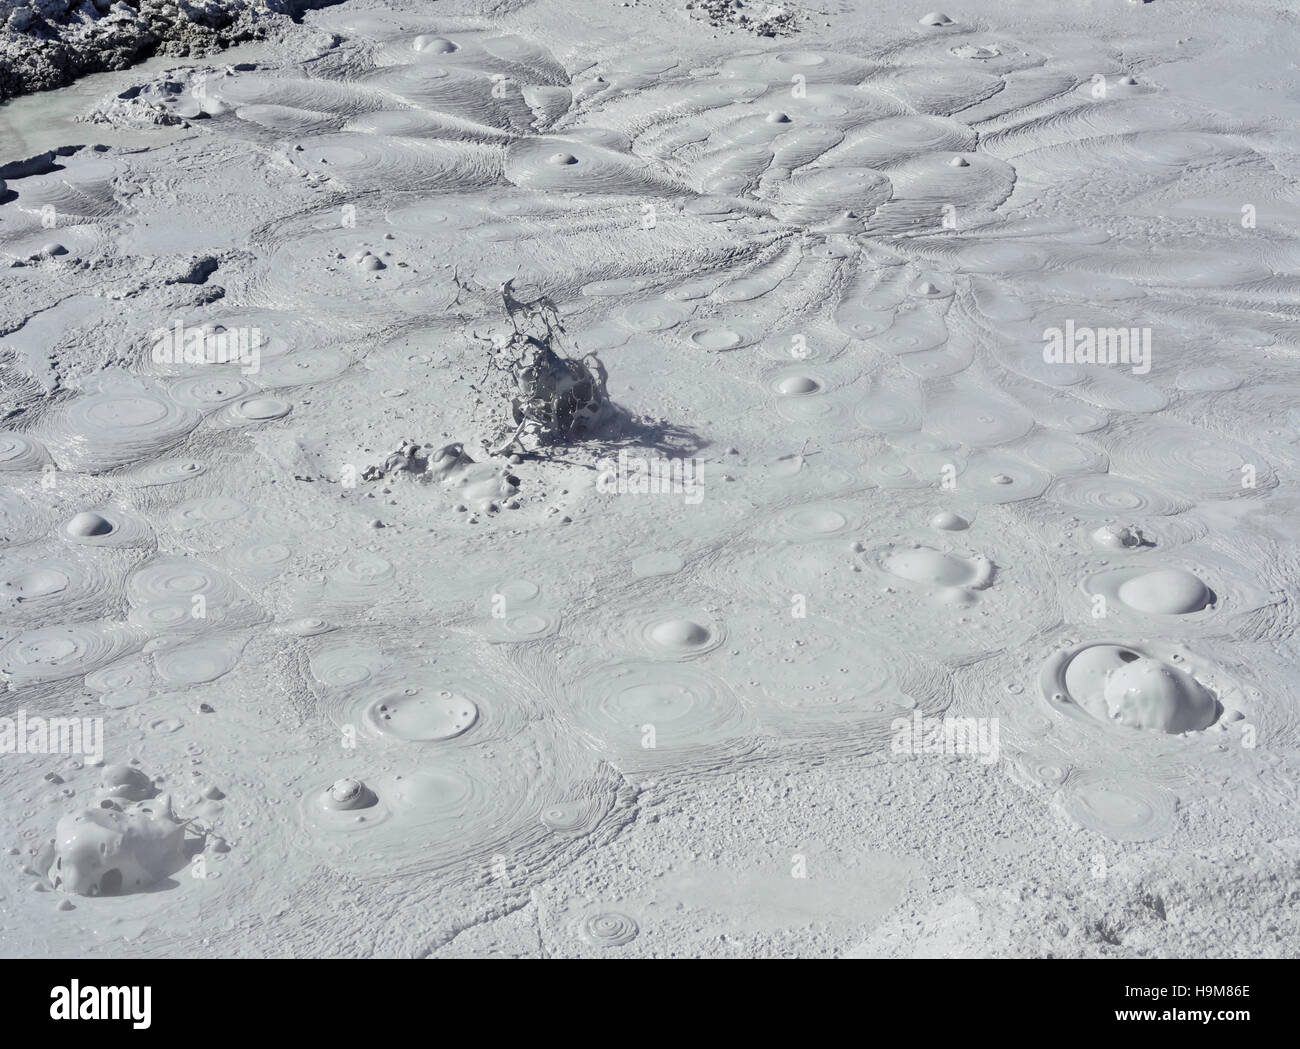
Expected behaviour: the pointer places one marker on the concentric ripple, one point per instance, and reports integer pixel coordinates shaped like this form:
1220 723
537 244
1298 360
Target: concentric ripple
420 714
57 652
1119 806
608 929
121 423
20 452
649 714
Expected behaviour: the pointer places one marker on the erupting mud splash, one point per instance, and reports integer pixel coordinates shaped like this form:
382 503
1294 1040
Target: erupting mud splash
941 376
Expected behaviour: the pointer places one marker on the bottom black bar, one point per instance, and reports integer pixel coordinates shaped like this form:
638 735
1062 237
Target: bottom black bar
339 998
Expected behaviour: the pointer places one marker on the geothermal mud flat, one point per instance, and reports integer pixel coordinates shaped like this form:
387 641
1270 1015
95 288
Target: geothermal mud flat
925 585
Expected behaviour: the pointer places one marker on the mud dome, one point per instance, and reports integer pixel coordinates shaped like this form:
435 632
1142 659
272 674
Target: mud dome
104 851
373 682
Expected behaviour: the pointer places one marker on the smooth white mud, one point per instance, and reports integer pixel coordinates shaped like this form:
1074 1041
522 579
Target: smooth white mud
924 584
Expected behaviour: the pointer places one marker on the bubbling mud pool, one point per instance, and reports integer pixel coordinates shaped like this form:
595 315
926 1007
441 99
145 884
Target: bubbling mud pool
819 276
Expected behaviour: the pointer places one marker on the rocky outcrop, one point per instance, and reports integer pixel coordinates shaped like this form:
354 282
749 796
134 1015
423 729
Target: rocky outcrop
49 43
